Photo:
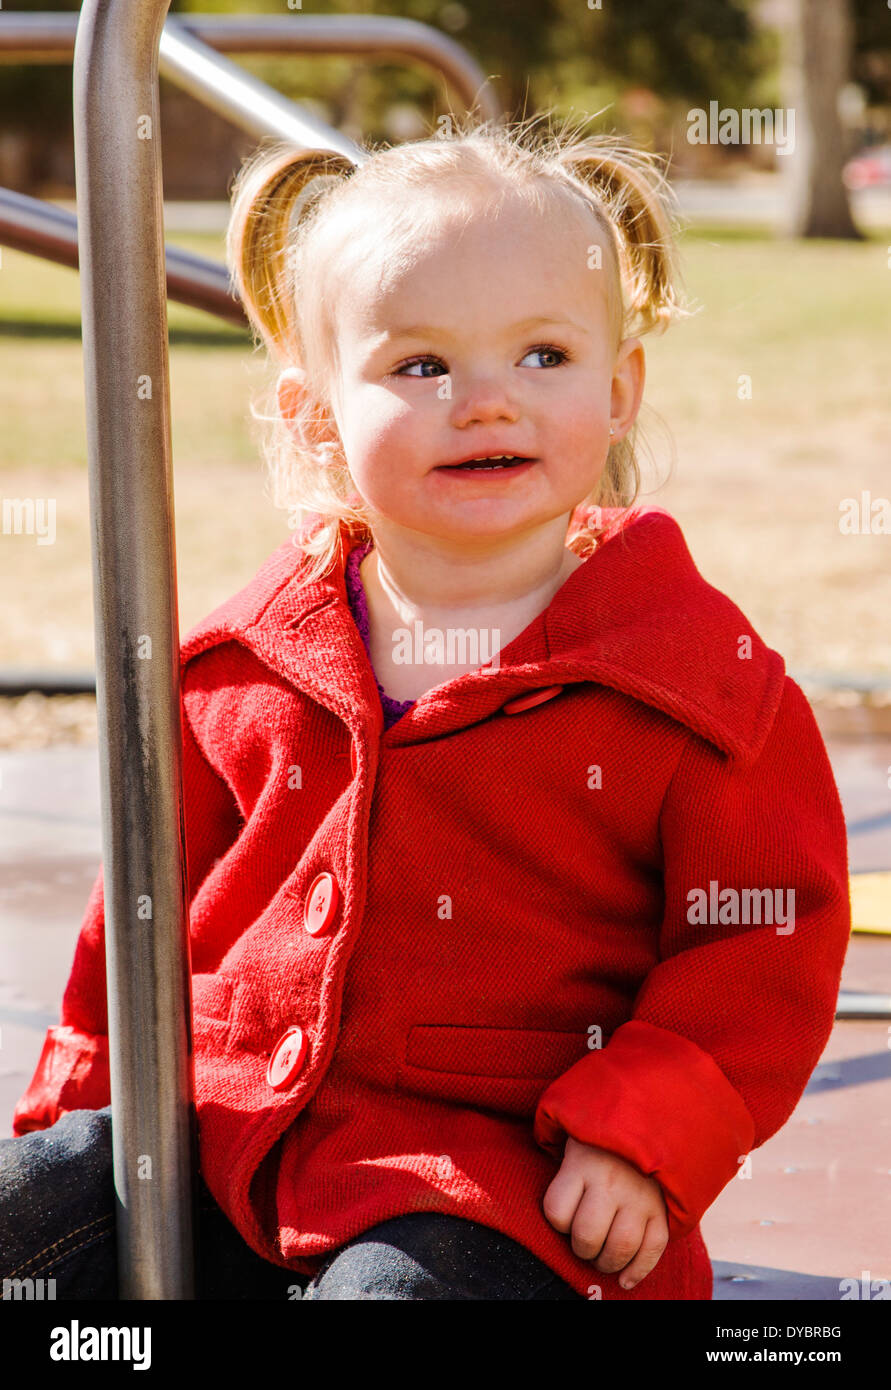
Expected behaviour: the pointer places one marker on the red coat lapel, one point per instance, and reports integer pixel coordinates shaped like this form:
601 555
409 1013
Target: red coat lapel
637 616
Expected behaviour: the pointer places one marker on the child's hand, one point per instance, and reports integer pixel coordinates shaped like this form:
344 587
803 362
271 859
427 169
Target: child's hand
615 1213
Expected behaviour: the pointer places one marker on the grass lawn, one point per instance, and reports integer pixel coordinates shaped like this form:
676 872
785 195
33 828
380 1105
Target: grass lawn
755 483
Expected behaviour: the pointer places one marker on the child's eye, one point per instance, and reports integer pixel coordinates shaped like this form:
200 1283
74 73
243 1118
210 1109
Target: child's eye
440 369
548 350
422 362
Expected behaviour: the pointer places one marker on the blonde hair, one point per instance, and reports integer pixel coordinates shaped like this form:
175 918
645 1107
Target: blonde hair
301 219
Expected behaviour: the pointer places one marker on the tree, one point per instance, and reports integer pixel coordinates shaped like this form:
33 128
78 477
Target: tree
819 47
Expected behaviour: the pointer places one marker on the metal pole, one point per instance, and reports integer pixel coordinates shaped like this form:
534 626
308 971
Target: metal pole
42 229
118 176
243 99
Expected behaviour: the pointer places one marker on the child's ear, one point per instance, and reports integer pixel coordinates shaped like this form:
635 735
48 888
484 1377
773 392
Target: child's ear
290 389
291 393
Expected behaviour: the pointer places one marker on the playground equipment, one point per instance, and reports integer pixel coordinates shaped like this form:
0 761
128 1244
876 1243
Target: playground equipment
188 55
117 240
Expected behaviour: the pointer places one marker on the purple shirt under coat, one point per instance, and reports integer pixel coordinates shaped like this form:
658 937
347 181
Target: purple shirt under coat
393 709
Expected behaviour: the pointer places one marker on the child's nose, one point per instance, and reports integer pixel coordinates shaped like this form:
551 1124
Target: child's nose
484 401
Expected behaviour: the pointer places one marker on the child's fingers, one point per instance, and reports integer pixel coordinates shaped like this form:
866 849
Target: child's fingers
592 1227
562 1198
655 1239
620 1236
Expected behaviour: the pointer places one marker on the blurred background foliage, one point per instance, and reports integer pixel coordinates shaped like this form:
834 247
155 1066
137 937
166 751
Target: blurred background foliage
539 52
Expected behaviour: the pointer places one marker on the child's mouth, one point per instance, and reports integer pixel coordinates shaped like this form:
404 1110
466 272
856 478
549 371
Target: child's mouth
486 465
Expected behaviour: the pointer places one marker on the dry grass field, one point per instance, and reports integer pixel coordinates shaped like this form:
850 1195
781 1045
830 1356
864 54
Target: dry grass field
763 412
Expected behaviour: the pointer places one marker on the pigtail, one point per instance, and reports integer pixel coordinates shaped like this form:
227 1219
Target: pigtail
271 187
632 190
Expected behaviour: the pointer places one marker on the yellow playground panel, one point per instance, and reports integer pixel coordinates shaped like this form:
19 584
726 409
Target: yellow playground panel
871 902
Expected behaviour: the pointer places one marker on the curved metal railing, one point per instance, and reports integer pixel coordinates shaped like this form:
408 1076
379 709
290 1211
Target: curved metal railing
43 229
43 38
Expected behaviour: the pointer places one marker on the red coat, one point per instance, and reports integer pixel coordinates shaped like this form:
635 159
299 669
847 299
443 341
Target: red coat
490 906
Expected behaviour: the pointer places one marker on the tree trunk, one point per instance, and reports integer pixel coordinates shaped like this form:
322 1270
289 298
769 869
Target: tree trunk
819 44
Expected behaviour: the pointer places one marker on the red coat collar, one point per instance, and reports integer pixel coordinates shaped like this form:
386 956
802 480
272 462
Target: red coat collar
637 616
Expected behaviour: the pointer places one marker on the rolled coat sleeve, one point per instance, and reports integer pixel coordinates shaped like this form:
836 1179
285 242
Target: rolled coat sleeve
73 1072
729 1025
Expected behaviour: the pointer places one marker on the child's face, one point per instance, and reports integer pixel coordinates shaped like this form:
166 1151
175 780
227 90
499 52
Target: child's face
510 309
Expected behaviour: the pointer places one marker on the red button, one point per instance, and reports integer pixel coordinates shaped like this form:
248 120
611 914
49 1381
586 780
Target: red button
320 907
355 765
287 1059
533 697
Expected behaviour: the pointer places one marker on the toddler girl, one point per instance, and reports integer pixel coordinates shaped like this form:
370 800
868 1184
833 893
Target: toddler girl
518 872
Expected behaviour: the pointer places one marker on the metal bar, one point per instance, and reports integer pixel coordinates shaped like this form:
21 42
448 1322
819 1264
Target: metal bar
118 176
856 1004
22 680
862 682
241 98
42 229
42 38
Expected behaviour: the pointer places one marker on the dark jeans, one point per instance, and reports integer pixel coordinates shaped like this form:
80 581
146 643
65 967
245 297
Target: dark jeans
57 1221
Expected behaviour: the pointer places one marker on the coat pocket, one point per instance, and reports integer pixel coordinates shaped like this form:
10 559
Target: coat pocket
212 997
504 1069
